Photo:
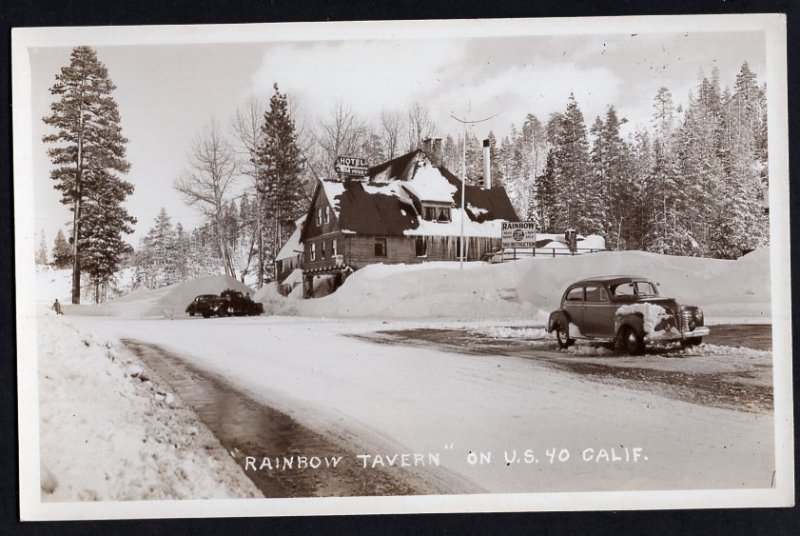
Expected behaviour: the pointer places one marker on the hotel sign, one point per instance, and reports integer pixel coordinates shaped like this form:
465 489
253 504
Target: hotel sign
351 166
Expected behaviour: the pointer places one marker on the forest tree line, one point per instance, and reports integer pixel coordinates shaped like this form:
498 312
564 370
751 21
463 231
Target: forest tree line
692 182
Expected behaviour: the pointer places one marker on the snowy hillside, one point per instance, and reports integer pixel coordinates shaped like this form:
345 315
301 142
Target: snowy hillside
530 287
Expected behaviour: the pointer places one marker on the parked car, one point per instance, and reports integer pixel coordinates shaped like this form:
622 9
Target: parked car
234 303
625 312
229 302
201 305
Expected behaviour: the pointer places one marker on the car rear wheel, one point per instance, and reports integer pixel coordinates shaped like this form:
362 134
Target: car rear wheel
630 342
191 313
562 334
223 311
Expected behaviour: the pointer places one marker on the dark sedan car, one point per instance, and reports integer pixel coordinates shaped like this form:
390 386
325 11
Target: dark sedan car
202 305
626 312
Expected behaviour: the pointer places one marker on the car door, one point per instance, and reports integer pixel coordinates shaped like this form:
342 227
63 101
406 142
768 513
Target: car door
598 312
573 305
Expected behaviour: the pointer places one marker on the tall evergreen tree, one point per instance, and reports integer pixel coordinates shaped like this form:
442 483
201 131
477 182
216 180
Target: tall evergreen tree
89 155
41 251
62 251
281 162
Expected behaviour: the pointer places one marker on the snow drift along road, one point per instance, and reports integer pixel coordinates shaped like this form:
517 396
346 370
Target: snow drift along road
527 287
163 302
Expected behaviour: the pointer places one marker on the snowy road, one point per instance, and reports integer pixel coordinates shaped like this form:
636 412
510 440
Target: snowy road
494 422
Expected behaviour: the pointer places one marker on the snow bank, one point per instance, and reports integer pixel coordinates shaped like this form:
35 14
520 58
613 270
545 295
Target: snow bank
162 302
52 284
532 287
110 430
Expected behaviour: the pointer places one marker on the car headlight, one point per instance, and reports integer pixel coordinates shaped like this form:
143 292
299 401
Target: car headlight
698 314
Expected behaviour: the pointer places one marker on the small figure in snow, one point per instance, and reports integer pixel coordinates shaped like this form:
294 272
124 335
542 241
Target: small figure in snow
57 307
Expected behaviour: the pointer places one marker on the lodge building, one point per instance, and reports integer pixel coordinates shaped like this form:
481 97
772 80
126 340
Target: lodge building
406 210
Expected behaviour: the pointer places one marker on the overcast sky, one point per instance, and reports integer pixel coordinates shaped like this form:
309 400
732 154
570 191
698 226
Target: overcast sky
167 93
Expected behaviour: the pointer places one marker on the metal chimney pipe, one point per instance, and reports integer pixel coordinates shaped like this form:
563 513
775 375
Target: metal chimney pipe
487 168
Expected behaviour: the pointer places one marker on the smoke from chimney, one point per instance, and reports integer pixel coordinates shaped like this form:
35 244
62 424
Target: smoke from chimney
487 169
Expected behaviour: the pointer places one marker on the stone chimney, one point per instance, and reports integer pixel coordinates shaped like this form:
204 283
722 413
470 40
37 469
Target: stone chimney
487 168
432 147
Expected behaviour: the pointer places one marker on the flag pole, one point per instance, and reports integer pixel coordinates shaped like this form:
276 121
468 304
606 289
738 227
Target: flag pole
465 122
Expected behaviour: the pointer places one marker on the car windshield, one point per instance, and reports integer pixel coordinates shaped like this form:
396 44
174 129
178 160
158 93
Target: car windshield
635 288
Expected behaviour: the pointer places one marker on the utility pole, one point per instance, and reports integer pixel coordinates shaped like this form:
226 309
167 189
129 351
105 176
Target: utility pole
465 122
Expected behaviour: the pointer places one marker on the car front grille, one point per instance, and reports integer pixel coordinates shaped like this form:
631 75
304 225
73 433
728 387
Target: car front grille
688 320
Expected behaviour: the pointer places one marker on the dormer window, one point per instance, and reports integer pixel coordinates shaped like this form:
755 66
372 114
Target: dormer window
319 217
439 214
327 214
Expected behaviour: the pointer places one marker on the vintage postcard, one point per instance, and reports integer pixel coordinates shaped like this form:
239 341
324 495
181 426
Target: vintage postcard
406 266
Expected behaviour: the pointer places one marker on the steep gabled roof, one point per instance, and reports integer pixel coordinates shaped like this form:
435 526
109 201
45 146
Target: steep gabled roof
374 213
400 168
491 204
383 205
292 246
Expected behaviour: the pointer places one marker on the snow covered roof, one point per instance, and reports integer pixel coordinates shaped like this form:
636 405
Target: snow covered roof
389 202
292 246
333 190
374 213
429 184
400 168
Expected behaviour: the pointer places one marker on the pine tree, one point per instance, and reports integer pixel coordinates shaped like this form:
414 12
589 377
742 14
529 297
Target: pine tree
88 157
62 251
741 223
281 162
567 170
610 198
41 251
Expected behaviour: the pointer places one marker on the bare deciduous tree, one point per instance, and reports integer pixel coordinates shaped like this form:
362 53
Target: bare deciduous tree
420 125
391 132
204 184
247 124
343 134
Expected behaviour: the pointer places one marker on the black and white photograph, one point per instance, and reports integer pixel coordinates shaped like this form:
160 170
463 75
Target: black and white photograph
403 267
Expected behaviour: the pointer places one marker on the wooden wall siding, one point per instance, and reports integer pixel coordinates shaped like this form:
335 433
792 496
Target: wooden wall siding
328 240
312 228
359 251
286 266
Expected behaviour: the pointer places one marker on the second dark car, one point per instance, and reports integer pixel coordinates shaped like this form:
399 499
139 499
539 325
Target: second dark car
229 303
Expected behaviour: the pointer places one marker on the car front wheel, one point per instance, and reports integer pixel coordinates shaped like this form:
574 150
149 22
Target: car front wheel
630 341
562 334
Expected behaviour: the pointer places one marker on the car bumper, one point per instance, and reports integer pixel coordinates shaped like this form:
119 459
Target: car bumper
675 335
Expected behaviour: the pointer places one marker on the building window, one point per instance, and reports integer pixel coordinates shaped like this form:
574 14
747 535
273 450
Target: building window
421 246
319 216
313 251
322 249
327 214
334 249
380 247
437 214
